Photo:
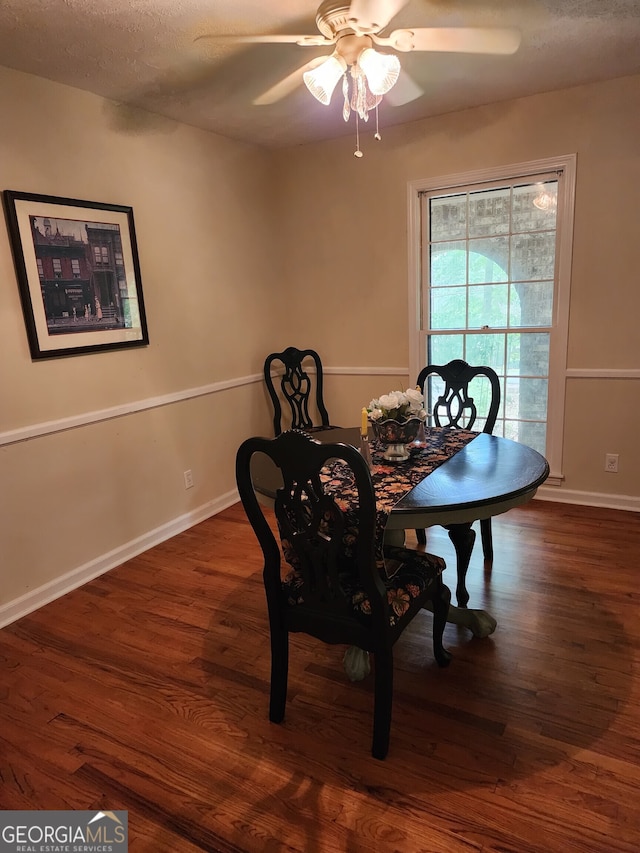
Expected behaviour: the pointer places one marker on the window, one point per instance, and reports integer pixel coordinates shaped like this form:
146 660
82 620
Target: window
40 268
75 267
101 255
491 258
57 268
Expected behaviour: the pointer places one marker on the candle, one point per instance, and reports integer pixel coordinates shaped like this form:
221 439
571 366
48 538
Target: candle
364 426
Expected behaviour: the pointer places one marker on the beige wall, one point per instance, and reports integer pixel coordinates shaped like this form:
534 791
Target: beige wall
347 265
208 257
228 235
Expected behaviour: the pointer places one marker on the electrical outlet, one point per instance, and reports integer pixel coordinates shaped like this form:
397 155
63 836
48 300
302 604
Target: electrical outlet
188 479
611 463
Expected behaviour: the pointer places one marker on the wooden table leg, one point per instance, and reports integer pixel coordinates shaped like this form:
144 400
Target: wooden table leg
462 537
356 663
479 622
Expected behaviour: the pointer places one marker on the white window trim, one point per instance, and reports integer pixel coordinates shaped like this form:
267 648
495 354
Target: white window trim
564 225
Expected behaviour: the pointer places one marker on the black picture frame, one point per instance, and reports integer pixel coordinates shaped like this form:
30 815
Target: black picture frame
78 274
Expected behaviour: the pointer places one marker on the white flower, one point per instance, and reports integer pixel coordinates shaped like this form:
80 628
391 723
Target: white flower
415 398
390 401
398 406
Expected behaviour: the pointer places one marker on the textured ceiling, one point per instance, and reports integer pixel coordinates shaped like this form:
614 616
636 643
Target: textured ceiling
141 55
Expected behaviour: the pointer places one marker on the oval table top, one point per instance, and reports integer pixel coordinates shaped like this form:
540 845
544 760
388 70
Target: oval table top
488 476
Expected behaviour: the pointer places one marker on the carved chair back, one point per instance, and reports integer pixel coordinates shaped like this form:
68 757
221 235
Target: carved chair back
455 406
294 386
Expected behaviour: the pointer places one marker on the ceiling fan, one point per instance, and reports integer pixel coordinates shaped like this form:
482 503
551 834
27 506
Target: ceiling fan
367 74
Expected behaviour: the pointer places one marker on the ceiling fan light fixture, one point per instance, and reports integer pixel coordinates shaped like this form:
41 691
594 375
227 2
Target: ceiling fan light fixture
321 81
380 69
545 200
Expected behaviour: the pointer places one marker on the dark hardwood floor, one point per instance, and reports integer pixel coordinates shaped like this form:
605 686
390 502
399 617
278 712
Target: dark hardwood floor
147 690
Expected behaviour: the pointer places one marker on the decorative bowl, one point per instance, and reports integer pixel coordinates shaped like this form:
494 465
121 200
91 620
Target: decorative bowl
396 435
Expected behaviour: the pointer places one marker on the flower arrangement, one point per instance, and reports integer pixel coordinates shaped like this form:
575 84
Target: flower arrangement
398 406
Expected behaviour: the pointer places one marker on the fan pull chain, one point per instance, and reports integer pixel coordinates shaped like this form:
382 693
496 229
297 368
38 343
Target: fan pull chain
376 135
357 152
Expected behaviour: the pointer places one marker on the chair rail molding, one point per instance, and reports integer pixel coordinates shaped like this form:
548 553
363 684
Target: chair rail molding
38 430
48 427
602 373
367 371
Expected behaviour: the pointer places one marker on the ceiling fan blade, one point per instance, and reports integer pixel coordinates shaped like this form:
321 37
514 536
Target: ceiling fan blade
454 39
404 90
288 84
371 16
304 41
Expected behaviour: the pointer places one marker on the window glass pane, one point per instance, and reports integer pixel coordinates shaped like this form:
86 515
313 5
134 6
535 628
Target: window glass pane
449 264
533 256
528 354
444 348
488 305
448 217
527 215
489 212
525 399
435 389
499 426
488 260
448 307
486 349
531 304
480 390
533 434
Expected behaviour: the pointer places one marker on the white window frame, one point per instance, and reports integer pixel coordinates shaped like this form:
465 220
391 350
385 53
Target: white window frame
564 166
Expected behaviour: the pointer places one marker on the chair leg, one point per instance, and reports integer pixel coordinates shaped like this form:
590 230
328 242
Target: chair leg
383 699
279 674
487 538
440 603
421 536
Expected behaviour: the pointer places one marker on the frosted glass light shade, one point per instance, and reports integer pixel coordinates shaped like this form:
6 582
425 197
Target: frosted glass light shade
380 69
545 200
321 81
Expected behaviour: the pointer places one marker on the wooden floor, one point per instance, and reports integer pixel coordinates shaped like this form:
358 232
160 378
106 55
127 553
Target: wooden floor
147 690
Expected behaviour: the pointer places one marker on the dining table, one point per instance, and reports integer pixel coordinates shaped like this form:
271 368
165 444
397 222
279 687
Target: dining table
452 478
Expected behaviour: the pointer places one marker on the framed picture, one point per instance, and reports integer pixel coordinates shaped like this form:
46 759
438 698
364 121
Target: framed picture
78 274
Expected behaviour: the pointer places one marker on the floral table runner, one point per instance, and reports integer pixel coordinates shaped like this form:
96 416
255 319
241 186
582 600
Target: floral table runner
393 480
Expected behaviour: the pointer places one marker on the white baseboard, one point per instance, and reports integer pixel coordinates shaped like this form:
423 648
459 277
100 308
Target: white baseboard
573 496
37 598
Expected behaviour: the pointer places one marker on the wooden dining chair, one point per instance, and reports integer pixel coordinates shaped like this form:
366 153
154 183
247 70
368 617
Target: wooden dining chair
334 588
454 405
303 393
